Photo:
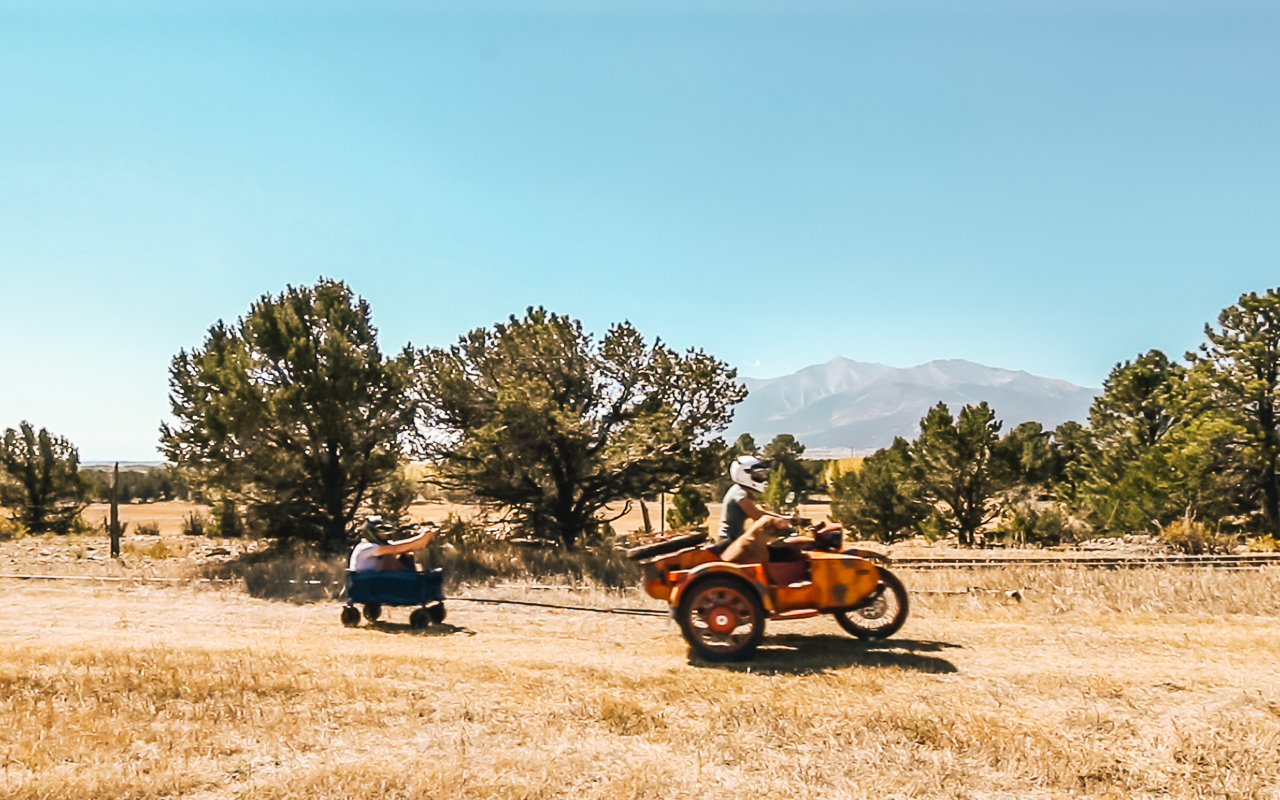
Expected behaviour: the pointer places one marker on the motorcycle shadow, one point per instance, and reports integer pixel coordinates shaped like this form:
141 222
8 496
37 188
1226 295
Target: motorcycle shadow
795 654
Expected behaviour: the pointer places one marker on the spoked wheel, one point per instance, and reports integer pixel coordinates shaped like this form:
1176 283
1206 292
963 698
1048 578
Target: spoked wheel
372 611
722 619
350 616
436 613
883 616
419 619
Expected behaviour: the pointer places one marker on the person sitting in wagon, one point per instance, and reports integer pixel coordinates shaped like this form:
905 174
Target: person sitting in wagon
376 552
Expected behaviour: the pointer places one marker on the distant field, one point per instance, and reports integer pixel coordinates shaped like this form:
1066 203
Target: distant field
169 515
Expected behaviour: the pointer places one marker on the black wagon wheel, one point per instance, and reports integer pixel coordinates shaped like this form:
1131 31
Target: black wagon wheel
722 618
666 546
883 615
350 616
372 611
435 613
419 619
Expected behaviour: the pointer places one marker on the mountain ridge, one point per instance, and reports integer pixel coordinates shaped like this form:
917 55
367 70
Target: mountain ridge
861 406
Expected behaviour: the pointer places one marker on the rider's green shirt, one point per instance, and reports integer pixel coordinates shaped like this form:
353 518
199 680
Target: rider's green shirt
733 520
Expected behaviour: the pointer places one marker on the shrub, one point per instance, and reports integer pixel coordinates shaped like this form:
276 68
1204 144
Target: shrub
1044 524
196 523
1190 536
143 528
1264 544
688 509
158 549
12 528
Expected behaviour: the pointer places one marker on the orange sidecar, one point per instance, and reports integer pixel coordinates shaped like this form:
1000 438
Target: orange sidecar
722 606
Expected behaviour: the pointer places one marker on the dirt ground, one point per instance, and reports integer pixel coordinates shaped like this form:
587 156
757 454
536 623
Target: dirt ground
1163 684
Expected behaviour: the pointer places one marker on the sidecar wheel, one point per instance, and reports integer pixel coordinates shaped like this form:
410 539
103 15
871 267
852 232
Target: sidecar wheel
883 616
350 616
419 619
372 611
722 618
436 613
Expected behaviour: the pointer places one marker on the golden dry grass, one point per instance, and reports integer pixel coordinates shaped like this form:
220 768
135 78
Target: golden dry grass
1096 684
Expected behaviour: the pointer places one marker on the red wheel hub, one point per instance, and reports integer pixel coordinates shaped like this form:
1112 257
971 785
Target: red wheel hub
722 619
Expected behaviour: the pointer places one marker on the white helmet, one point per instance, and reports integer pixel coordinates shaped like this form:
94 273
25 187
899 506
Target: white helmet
750 472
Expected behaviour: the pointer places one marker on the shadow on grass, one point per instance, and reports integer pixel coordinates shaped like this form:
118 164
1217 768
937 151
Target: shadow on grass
405 629
794 654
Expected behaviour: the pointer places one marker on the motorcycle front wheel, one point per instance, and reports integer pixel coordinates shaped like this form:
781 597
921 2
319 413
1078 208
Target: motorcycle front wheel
883 616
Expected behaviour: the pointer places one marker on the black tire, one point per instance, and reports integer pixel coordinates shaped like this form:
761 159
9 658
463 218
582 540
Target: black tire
883 616
722 618
350 616
436 613
419 619
372 611
666 546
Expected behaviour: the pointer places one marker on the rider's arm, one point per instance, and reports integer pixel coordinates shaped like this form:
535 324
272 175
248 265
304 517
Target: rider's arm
406 545
751 509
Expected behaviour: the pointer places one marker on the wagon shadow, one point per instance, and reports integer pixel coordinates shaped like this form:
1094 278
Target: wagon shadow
795 654
405 629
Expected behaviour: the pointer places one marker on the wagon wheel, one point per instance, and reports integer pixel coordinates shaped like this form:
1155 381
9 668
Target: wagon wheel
350 616
666 546
883 616
722 618
419 619
436 613
372 611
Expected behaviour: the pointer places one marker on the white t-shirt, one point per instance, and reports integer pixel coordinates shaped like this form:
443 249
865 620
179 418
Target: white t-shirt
364 557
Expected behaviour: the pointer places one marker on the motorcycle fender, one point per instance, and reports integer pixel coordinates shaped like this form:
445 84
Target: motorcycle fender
658 571
752 573
841 580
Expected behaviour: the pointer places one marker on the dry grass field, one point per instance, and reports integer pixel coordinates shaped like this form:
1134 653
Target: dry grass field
1096 684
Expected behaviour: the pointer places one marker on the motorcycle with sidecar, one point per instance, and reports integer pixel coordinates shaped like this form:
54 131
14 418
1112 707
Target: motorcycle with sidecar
722 606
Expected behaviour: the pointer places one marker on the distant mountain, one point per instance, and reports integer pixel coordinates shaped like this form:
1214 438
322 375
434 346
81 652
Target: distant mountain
853 405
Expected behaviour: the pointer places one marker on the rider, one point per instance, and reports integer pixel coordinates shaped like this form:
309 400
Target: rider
748 545
376 552
750 476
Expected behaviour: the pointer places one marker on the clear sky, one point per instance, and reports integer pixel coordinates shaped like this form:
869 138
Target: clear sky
1049 185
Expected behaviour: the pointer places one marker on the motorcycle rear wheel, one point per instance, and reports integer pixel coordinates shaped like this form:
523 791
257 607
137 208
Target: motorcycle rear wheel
722 618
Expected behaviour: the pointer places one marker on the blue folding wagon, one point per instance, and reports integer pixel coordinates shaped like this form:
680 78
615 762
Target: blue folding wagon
374 589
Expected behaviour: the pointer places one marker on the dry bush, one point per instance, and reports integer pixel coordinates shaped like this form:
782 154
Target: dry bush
158 549
11 528
1193 537
298 573
466 552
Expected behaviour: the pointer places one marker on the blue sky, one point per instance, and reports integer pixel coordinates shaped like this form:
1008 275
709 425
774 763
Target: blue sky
1046 186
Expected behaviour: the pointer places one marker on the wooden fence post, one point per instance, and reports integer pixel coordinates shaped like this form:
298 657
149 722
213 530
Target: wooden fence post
115 512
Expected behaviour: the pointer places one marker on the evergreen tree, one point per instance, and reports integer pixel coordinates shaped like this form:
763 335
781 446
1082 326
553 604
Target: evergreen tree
881 499
688 508
961 469
784 452
44 486
292 411
535 417
1240 370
